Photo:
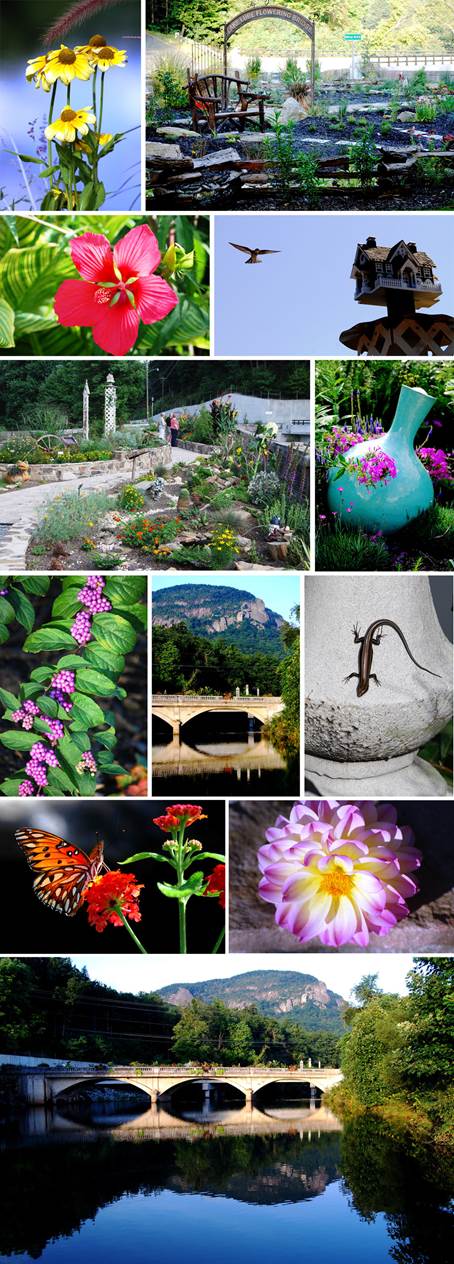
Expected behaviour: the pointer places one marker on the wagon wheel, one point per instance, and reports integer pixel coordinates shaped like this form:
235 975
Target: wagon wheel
48 441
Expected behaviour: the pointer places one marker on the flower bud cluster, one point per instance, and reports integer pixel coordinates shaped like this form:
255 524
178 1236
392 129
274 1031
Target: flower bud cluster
87 764
26 715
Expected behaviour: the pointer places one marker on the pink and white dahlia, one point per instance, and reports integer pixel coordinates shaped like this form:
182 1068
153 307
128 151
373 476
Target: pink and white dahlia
338 871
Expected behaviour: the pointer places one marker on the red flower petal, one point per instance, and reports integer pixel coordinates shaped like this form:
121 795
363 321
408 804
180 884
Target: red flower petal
137 254
115 328
92 255
74 303
154 298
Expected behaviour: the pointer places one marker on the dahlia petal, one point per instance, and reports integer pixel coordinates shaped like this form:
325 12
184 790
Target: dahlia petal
138 253
92 255
117 330
154 298
75 305
344 924
304 921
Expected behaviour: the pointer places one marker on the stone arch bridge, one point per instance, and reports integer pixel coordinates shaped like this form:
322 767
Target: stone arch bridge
43 1086
177 709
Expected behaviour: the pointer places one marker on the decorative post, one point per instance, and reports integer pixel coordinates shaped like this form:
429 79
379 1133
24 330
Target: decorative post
86 411
402 279
110 406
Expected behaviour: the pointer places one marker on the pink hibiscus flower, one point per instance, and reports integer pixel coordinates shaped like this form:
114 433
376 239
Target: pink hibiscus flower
118 289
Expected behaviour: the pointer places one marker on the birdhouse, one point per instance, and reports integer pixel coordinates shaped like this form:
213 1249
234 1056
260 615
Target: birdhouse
390 276
402 279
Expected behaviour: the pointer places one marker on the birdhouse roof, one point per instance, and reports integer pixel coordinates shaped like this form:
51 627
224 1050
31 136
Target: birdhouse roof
383 254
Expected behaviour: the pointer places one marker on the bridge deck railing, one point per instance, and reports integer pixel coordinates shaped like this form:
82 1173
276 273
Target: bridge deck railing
185 1072
215 697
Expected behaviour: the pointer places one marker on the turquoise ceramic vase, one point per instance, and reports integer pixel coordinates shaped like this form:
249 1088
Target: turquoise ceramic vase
387 506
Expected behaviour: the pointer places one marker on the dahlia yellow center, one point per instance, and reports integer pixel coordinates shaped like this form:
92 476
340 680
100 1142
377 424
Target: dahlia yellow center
336 882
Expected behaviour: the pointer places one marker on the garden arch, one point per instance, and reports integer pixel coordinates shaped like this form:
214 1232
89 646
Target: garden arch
272 11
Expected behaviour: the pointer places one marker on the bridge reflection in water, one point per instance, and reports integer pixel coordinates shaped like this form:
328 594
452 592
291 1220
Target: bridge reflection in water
70 1119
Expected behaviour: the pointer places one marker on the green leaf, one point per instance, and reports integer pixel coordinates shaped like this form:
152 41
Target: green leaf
17 740
47 639
23 609
30 276
94 654
125 591
66 604
88 198
69 751
107 738
6 324
207 855
6 611
70 662
60 783
10 220
185 890
112 770
94 682
36 584
114 632
86 711
11 786
80 739
48 706
41 674
146 855
8 700
4 634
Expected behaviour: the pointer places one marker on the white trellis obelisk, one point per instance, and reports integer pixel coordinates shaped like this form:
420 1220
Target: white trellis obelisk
86 411
110 406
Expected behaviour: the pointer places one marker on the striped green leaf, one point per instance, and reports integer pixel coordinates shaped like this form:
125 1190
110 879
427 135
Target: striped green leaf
6 324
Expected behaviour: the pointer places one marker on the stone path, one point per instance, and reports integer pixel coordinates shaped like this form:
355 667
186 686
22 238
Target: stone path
21 510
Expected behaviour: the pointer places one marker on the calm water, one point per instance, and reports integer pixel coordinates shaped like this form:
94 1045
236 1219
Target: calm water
237 1186
222 764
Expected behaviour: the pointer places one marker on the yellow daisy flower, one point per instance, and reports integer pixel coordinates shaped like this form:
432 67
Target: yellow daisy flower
35 70
67 64
71 122
107 57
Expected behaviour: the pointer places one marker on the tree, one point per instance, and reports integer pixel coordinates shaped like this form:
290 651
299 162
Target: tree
427 1055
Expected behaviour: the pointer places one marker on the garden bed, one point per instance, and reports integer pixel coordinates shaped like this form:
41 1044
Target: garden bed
141 461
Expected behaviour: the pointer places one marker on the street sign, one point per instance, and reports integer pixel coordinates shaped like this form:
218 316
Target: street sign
353 37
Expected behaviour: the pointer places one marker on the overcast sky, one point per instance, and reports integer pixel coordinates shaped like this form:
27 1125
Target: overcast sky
340 973
298 301
279 592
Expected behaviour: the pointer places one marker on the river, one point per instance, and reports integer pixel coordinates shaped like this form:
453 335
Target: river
225 1186
213 763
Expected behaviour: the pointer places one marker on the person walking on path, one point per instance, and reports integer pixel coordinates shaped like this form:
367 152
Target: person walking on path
174 430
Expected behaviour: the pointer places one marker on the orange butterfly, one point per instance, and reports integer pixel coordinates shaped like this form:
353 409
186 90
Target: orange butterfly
64 872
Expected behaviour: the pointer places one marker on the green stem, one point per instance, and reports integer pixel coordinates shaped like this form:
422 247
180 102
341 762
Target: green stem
49 143
182 925
130 931
219 940
68 94
101 104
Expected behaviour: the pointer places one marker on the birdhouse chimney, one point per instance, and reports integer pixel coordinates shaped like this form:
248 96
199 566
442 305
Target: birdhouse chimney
371 242
412 246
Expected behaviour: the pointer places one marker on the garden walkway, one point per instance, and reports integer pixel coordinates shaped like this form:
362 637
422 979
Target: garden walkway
20 510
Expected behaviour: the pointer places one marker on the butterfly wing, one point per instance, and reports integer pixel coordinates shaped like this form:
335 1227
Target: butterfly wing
63 870
245 249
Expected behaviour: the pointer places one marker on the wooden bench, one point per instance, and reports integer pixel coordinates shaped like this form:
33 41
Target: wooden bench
210 101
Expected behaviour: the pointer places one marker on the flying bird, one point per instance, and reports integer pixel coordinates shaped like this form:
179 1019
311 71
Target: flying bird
253 253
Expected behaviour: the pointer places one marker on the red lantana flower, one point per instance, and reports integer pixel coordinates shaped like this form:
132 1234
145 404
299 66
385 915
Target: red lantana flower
118 289
216 884
180 814
112 893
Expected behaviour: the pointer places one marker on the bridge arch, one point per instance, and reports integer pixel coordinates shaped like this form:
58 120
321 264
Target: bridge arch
264 12
64 1090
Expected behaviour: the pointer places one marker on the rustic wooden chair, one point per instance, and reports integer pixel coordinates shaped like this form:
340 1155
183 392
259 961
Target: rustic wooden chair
210 101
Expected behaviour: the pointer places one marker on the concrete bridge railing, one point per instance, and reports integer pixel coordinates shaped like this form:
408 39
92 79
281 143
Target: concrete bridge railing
43 1087
178 709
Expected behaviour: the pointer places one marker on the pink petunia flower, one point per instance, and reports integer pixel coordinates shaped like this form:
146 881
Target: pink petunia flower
338 871
118 290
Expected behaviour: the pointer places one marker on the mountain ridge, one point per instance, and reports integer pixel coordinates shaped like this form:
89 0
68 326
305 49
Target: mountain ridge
276 993
220 613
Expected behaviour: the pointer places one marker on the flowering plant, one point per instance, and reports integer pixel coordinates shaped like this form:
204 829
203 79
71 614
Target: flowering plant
67 736
147 534
181 853
338 871
76 142
111 899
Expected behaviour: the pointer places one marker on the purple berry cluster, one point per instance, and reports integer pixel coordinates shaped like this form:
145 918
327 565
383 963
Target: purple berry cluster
26 715
62 683
87 764
4 592
92 599
40 758
25 789
56 731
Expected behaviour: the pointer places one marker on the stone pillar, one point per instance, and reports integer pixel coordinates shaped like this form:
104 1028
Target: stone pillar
248 1096
110 406
86 411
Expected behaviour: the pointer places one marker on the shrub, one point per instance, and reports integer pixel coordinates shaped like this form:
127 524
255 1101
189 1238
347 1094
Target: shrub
142 533
306 171
344 550
70 516
263 488
223 499
292 73
130 498
425 113
202 427
167 82
253 68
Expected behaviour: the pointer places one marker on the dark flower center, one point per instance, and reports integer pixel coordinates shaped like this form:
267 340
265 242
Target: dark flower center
68 115
97 41
107 54
66 57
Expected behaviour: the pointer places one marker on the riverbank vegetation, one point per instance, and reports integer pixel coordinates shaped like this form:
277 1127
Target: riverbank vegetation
396 1056
186 663
50 1008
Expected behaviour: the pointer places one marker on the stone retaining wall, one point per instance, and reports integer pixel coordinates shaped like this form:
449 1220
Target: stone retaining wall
73 470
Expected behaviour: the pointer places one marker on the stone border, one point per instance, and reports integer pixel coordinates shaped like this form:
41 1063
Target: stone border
142 461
